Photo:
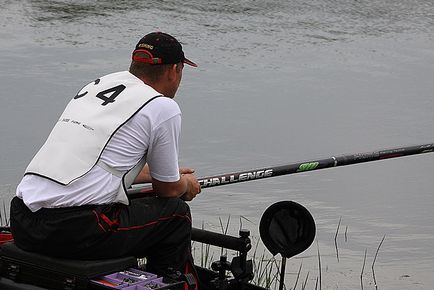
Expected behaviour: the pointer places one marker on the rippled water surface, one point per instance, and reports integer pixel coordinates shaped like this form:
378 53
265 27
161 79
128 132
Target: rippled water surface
278 82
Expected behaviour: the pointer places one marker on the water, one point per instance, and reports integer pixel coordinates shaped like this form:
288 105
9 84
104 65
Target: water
278 82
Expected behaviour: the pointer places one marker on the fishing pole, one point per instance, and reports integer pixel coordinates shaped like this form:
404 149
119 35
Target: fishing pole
297 167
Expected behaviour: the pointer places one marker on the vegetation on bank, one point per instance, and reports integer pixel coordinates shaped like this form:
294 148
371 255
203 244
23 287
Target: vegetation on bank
298 276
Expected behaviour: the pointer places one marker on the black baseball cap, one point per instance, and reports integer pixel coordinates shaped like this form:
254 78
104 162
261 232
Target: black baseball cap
161 48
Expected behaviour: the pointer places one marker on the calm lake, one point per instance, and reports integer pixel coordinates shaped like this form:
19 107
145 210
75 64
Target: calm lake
278 82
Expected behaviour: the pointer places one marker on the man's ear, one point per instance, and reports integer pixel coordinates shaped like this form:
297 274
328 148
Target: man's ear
171 72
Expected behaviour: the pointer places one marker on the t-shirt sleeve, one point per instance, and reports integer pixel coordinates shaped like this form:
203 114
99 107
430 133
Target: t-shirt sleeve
162 156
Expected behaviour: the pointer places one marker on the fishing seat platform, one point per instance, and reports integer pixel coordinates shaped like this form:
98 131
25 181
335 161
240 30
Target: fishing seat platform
55 273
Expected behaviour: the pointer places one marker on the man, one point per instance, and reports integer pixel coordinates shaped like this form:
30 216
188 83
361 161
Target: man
72 200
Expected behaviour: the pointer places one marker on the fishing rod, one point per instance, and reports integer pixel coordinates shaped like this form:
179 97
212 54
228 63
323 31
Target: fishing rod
297 167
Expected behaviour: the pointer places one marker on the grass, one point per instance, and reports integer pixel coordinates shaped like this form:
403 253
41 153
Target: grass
4 217
206 259
267 268
319 278
363 269
373 262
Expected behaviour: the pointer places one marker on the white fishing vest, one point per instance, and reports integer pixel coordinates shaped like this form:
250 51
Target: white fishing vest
89 121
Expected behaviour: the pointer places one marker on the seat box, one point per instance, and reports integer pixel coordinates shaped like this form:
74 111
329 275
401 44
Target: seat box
54 273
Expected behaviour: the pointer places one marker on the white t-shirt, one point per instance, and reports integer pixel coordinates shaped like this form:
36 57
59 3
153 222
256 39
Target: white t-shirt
153 131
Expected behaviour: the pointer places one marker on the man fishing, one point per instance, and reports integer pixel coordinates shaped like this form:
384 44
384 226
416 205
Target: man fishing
119 129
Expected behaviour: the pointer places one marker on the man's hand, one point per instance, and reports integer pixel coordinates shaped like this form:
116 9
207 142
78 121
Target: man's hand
186 170
193 186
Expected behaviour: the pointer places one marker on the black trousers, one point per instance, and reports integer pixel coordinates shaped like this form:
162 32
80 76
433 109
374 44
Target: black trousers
156 228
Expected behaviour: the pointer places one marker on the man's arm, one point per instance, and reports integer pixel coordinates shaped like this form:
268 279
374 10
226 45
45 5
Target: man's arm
168 180
145 175
187 187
